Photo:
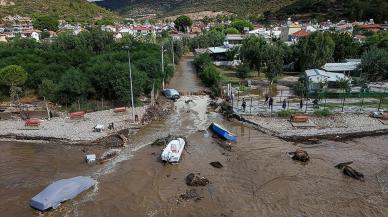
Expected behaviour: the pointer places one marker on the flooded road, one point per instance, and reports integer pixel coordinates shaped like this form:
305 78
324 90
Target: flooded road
258 178
185 79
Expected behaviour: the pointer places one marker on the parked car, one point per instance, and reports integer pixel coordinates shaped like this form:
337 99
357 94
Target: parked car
171 94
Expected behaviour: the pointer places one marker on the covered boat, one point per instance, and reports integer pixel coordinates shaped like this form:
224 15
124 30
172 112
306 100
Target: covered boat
222 132
173 151
60 191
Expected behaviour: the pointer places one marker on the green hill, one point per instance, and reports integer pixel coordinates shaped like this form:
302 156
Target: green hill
321 9
71 10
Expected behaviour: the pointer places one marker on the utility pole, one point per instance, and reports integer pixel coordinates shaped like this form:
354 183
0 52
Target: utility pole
163 65
130 81
173 53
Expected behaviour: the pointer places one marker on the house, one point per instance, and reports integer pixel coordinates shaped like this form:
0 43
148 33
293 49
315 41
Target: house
315 77
218 53
22 27
348 68
233 39
180 36
143 30
3 37
295 37
33 33
371 27
360 38
196 30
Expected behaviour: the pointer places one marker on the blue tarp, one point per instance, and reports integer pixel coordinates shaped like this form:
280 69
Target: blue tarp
61 190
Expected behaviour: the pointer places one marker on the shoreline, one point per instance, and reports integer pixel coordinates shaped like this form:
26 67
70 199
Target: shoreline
282 128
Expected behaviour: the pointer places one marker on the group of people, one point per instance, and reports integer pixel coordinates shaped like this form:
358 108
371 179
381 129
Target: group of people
269 102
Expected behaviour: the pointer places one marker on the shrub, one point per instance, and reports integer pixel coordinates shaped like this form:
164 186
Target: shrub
285 113
322 112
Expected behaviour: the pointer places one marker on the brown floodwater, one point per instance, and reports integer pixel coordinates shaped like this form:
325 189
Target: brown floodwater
258 178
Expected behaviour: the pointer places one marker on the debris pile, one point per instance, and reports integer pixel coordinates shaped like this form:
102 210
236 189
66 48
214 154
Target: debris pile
349 171
191 194
299 155
196 180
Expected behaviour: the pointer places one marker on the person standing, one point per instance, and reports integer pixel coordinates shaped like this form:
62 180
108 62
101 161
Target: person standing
266 99
270 102
284 106
301 104
244 104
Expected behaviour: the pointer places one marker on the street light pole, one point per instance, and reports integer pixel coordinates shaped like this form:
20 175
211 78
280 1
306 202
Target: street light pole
163 66
130 80
173 53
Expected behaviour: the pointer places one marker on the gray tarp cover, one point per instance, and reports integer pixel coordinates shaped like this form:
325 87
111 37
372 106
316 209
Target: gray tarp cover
61 190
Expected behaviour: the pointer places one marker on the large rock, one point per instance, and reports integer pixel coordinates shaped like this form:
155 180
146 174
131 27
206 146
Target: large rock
300 155
196 180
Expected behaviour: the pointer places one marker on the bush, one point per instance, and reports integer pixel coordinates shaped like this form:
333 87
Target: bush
285 113
243 71
322 112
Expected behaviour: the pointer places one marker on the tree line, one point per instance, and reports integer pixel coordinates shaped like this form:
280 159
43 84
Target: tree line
90 65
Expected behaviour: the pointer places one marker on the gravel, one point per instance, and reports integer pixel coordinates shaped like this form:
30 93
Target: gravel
69 130
339 124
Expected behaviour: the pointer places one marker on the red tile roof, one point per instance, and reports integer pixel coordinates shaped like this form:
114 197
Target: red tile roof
300 34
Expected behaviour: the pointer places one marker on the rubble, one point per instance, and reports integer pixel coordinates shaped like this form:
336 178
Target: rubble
196 180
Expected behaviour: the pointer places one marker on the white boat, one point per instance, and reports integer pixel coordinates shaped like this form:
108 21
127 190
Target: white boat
173 151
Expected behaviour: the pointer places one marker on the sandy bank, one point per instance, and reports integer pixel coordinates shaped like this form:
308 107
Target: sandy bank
336 126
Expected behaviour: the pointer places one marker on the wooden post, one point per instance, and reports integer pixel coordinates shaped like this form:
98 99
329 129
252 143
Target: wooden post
250 108
47 109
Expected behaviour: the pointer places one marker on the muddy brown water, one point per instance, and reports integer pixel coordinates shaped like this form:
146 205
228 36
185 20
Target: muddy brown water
258 178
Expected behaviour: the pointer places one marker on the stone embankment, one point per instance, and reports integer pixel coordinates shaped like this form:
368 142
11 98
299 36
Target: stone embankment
338 126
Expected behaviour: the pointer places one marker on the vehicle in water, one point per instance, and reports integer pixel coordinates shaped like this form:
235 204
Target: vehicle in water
62 190
171 94
173 151
222 132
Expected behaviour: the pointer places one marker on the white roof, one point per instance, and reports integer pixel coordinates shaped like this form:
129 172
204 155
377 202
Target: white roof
317 75
218 49
341 67
234 37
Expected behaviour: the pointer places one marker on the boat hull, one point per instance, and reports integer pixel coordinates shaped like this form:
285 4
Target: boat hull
220 131
173 151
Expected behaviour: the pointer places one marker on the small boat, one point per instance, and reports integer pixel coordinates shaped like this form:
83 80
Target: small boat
222 132
62 190
173 151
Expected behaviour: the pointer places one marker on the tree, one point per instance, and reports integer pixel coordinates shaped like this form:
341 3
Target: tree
374 64
183 22
345 46
243 71
72 86
240 24
46 22
232 30
316 50
48 89
273 61
252 52
344 85
13 75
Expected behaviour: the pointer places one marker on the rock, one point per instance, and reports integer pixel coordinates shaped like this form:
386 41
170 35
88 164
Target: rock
300 155
191 194
196 180
216 164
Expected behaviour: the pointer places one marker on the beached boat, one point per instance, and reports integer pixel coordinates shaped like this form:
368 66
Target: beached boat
222 132
56 193
173 151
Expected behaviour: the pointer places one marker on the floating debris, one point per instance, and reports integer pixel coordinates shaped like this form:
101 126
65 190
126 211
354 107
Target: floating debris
191 194
216 164
299 155
349 171
90 158
108 156
188 101
196 180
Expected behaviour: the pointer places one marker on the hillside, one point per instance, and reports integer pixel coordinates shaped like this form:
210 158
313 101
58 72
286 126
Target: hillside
71 10
321 9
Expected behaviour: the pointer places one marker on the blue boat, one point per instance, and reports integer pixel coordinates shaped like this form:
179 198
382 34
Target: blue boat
223 132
